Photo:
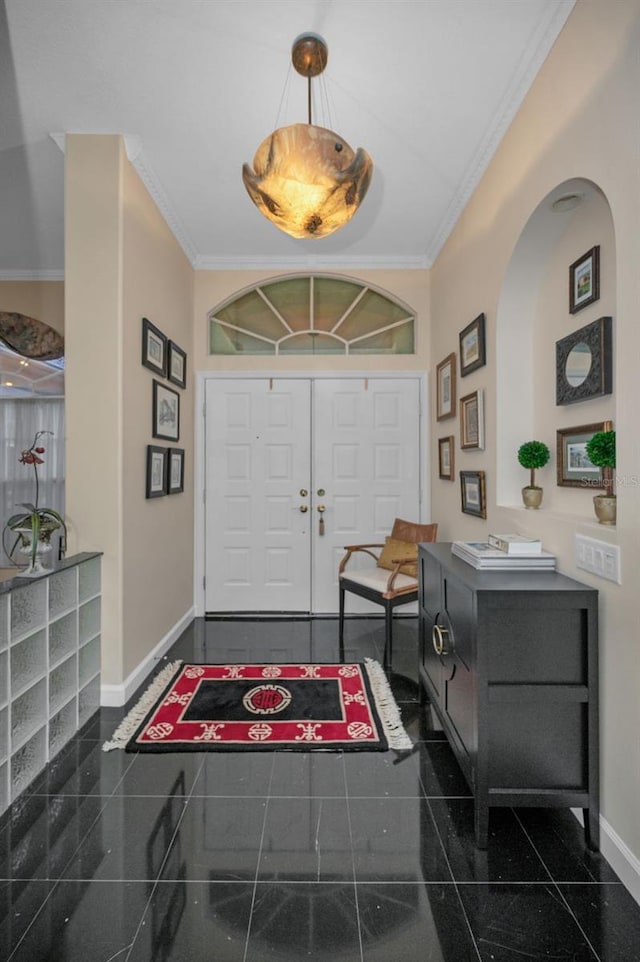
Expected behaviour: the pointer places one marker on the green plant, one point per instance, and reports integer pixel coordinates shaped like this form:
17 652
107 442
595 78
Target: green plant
35 524
601 451
533 455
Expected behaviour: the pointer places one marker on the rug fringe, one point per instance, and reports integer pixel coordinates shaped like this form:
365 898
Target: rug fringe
132 720
387 707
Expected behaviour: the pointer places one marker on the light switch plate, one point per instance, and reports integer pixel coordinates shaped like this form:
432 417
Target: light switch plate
598 557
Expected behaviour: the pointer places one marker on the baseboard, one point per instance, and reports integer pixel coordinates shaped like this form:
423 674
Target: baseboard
619 856
113 696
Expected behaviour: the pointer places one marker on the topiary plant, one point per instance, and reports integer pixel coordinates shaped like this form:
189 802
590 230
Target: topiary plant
533 455
601 451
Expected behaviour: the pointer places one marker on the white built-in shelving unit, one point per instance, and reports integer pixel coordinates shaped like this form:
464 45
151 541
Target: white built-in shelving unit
49 668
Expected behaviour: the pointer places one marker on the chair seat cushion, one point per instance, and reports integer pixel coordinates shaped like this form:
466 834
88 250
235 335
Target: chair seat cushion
377 578
394 550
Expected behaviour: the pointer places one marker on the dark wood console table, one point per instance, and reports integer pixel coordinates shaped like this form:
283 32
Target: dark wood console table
509 662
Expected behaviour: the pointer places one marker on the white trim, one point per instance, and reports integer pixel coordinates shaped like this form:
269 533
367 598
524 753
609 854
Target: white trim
113 696
199 472
622 860
301 262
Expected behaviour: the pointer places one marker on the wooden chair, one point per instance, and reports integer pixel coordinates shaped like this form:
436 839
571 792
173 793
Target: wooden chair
394 579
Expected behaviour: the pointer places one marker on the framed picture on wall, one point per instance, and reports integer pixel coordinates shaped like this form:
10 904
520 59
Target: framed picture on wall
154 347
446 458
446 388
472 421
156 470
584 280
472 493
573 467
175 470
166 412
177 364
472 346
584 367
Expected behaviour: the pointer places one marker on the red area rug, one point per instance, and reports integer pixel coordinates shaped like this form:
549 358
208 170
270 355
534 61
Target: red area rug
340 707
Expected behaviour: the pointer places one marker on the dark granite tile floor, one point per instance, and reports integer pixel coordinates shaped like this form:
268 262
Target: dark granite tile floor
248 857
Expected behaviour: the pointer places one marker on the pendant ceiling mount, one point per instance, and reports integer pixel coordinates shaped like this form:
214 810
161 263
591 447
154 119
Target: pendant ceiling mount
307 180
309 54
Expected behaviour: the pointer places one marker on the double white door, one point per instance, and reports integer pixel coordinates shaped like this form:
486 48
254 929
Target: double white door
297 468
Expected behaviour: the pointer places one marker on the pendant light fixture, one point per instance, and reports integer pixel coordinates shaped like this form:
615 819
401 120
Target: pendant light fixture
307 180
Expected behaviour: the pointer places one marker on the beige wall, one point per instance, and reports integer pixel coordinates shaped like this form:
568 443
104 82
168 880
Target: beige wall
43 300
579 120
214 287
122 263
93 375
158 548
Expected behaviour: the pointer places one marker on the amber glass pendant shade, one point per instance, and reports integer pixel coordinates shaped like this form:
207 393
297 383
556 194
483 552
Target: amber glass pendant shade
307 180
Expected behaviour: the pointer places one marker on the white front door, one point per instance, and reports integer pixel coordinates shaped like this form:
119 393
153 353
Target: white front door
280 449
366 458
257 455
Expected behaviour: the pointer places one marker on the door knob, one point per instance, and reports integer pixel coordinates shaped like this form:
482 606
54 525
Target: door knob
304 508
321 508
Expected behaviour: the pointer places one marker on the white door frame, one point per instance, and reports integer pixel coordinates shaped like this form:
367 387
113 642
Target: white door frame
199 453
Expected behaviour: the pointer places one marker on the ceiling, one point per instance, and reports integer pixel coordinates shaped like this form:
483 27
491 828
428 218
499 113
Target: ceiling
427 87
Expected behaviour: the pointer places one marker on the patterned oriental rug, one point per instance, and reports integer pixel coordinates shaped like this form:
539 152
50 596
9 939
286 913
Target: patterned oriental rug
341 707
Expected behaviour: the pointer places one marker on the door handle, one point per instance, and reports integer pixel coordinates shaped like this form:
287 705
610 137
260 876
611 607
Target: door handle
438 637
304 508
321 508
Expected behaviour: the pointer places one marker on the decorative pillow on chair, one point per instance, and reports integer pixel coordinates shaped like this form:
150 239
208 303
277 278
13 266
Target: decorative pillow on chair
410 531
399 549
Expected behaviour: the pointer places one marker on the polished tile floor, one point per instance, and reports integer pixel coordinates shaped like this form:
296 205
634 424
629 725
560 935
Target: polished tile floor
249 857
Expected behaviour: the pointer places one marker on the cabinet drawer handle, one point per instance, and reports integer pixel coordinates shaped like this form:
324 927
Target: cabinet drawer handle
438 636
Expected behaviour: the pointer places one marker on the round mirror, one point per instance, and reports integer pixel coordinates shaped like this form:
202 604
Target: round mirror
578 364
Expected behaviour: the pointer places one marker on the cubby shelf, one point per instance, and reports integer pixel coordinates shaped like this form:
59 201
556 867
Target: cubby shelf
49 667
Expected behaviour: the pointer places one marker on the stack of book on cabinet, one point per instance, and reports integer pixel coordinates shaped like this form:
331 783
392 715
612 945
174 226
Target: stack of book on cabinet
505 552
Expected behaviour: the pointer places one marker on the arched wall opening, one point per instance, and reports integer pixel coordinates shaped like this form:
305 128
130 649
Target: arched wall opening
533 314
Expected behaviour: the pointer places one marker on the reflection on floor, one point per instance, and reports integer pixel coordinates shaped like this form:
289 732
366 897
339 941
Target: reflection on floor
248 857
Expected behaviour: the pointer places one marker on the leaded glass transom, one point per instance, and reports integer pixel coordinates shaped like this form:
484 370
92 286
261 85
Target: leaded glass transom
312 314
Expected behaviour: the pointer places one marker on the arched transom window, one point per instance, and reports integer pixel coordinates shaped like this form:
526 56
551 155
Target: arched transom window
312 314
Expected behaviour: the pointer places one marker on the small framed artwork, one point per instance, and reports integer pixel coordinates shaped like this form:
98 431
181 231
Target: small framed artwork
166 412
176 364
573 467
445 458
154 348
472 492
472 421
584 363
472 346
175 470
156 470
584 280
446 388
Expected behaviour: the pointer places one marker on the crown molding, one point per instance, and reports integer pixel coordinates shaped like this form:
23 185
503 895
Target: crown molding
305 262
153 185
27 275
538 51
136 157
